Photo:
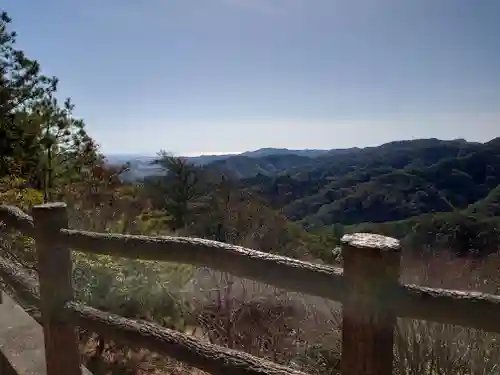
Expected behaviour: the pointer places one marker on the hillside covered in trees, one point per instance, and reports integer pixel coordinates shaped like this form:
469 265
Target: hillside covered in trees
308 197
47 155
428 192
395 181
433 194
451 186
392 182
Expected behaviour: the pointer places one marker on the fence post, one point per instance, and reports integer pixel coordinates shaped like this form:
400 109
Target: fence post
54 270
371 268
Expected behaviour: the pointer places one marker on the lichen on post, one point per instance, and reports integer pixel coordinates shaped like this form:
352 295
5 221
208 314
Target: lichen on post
371 270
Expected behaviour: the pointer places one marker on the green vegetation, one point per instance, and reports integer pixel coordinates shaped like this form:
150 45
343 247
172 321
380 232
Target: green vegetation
386 188
401 189
392 182
434 194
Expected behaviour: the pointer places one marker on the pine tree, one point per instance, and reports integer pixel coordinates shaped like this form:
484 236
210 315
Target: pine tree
40 140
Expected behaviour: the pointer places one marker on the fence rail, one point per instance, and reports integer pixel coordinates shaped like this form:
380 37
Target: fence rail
368 287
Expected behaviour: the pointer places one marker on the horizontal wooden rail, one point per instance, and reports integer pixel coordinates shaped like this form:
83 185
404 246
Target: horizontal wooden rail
409 301
24 286
15 218
179 346
182 347
469 309
282 272
368 287
211 358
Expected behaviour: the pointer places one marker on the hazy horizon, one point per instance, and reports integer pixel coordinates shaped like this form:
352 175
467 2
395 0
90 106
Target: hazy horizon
149 154
219 153
207 76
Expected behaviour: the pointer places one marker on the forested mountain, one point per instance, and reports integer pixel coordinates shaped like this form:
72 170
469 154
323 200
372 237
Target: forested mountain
489 206
395 181
270 151
431 194
269 161
46 149
240 166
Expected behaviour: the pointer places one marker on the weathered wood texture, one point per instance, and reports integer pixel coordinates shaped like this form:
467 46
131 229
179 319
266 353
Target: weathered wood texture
371 270
211 358
24 286
172 343
15 218
368 287
469 309
282 272
55 278
408 301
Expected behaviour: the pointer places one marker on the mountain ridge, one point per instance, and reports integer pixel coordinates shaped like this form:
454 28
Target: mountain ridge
391 182
141 167
388 183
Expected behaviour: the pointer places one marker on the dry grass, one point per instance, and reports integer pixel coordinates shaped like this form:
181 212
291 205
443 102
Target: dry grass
285 327
430 348
115 359
304 332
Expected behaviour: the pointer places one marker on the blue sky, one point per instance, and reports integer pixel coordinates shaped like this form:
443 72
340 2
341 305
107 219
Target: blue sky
205 76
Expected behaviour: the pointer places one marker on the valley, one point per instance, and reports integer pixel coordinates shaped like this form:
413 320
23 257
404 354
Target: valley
395 181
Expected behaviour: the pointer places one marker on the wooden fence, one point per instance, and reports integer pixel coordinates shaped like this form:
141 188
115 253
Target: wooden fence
368 287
